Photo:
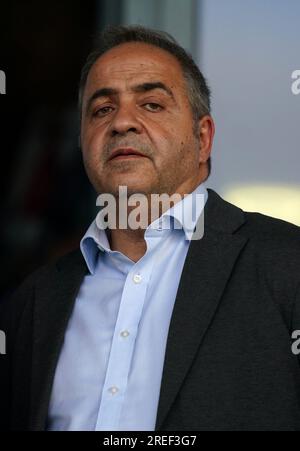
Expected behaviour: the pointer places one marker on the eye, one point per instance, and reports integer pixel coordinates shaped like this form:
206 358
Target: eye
103 111
151 106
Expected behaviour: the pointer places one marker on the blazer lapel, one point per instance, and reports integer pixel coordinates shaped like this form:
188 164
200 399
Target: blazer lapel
207 268
55 298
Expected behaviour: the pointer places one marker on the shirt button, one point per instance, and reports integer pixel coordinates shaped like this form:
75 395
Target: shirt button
124 333
137 278
113 390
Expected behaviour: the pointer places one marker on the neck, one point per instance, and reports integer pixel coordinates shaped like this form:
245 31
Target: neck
131 242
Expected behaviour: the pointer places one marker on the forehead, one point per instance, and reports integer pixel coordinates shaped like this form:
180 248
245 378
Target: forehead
133 62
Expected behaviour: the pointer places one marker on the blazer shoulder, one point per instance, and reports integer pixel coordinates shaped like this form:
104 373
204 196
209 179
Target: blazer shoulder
276 244
227 217
266 227
72 258
273 245
16 302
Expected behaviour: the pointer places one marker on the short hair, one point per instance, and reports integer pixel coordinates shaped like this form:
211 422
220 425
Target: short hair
198 91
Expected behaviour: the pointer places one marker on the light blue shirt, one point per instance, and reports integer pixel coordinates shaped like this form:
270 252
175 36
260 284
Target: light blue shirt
110 367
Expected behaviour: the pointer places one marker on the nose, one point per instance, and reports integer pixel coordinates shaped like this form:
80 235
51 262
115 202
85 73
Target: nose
125 120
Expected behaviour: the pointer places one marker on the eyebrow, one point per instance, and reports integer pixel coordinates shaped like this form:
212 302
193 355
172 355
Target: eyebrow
143 87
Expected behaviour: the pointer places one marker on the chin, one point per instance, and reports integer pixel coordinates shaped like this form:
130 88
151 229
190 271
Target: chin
133 189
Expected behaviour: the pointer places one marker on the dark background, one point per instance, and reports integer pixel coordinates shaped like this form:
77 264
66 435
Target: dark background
47 202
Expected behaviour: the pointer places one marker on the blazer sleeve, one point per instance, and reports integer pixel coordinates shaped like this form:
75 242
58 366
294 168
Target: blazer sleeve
5 364
11 310
296 324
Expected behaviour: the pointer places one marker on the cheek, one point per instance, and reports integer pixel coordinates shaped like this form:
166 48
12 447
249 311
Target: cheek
92 142
176 143
165 136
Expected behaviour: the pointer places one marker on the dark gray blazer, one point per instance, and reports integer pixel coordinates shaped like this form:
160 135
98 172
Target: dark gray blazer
228 362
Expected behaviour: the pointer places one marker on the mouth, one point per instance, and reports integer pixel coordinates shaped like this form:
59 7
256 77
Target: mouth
125 153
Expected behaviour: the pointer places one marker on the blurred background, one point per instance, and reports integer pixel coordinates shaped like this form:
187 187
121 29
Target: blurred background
246 50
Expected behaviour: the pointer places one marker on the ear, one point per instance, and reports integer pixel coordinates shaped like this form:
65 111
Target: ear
206 136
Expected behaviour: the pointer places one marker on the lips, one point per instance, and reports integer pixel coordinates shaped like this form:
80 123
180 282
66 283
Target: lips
125 151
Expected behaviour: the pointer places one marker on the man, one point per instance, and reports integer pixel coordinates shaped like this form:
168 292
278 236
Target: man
148 328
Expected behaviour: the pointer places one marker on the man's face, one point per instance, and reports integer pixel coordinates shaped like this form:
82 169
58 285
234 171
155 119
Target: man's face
136 99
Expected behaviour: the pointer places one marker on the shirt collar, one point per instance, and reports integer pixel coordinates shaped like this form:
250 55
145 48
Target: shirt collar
183 215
